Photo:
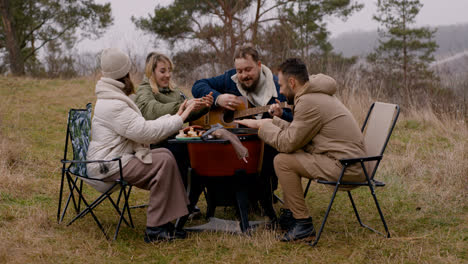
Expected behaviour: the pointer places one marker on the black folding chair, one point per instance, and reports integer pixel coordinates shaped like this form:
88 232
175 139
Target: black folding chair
74 171
377 129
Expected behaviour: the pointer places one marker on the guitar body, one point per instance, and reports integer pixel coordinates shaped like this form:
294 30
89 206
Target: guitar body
220 115
226 117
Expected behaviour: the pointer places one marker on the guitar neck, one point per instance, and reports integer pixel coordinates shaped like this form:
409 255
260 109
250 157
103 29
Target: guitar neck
256 110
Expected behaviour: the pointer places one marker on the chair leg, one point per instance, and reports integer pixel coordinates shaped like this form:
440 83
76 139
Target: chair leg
122 213
380 213
128 207
71 197
277 198
355 209
117 205
60 196
89 209
79 198
325 218
307 188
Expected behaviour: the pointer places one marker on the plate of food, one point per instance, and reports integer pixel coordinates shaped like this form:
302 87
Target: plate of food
189 133
186 138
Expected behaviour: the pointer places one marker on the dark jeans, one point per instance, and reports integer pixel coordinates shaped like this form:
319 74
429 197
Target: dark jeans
265 183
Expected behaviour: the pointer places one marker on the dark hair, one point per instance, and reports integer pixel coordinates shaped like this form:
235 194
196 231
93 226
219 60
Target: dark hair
128 89
295 67
244 51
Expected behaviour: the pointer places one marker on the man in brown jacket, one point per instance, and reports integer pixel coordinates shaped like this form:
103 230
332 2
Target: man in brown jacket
322 132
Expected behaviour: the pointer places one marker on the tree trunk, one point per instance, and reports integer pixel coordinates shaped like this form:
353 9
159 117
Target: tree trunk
12 45
255 24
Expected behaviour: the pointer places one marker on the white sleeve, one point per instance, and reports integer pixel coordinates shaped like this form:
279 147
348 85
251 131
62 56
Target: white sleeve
130 124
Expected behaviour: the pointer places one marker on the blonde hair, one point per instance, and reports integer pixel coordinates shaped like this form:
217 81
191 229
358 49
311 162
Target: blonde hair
151 63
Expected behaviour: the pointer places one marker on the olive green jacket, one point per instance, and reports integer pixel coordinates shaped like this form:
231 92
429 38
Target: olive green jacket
167 101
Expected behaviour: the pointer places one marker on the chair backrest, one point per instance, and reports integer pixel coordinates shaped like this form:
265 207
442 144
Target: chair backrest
78 131
377 129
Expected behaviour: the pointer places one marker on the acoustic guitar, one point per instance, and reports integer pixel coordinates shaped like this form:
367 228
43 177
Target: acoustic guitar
226 117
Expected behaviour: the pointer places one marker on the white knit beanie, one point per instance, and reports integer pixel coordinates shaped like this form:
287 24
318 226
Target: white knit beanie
114 63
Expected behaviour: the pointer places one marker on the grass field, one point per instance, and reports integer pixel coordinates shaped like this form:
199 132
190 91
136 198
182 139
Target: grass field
424 202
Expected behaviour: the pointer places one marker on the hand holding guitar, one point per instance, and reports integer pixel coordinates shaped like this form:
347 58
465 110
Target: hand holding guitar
275 109
253 123
228 101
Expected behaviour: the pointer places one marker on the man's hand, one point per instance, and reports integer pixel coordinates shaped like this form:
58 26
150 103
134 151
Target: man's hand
253 123
228 101
275 109
208 99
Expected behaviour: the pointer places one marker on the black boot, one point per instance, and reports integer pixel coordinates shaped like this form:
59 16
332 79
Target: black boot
286 219
177 231
302 228
159 233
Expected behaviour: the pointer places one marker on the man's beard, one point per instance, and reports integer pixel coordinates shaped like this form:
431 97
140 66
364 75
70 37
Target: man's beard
251 87
290 99
289 95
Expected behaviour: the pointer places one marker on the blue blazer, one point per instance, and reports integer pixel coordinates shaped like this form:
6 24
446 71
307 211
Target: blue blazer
224 84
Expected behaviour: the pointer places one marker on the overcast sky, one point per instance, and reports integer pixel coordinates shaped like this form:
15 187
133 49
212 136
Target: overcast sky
124 35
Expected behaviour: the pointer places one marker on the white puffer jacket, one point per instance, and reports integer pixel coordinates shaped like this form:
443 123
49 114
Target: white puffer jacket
119 130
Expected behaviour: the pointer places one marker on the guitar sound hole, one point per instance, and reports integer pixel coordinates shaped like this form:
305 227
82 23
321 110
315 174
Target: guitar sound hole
228 116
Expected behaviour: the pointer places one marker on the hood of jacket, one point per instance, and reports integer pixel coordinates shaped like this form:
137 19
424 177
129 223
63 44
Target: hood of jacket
107 88
319 83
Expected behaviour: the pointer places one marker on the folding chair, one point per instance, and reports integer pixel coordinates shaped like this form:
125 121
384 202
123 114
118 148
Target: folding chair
377 129
78 133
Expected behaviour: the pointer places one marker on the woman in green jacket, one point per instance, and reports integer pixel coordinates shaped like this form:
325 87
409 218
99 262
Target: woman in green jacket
157 95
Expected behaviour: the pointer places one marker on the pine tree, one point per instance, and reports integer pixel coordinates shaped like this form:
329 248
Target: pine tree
404 52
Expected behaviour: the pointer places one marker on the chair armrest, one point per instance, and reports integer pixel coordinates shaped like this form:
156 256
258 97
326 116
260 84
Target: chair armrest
376 183
90 161
118 159
361 159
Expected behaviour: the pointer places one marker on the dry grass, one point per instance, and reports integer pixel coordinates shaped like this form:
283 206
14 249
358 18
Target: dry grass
425 169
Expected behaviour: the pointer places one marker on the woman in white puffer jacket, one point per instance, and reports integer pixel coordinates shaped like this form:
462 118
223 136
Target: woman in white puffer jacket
119 130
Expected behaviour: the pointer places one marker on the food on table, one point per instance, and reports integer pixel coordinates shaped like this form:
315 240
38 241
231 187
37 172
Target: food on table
190 132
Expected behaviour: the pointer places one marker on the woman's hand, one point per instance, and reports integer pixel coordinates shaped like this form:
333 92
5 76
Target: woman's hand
200 103
197 103
185 110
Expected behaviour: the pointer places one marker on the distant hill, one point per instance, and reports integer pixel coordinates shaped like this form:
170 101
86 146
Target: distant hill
452 39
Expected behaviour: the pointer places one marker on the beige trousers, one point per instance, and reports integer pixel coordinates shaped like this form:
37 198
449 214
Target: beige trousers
290 172
168 199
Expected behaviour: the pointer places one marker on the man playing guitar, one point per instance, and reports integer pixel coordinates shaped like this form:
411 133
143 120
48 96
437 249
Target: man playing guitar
260 87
